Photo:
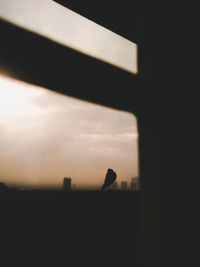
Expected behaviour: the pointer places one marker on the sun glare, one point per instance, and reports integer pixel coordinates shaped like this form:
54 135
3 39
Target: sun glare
11 93
44 136
15 96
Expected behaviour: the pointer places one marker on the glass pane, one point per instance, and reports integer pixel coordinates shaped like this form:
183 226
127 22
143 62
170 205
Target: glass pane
60 24
46 137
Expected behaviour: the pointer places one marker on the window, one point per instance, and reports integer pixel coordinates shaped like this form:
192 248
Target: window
47 62
72 30
46 136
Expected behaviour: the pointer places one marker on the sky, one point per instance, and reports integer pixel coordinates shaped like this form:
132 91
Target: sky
46 136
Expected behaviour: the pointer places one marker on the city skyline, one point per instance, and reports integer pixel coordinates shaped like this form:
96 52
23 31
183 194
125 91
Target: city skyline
46 136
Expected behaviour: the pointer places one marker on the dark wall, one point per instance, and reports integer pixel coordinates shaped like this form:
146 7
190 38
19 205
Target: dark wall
71 228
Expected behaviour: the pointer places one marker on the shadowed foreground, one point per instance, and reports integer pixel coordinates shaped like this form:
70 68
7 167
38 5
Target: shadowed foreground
81 227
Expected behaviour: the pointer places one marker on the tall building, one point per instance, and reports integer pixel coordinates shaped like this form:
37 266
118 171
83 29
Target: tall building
133 184
124 185
67 183
114 186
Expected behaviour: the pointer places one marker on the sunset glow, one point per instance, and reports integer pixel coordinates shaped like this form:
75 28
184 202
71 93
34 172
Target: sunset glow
46 136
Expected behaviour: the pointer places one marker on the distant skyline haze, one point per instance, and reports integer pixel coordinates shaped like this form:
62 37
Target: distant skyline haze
46 136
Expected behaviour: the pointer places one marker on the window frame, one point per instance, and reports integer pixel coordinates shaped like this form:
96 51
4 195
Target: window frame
21 62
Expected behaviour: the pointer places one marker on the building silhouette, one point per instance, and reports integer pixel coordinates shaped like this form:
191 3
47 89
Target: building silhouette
114 186
134 184
124 185
3 187
67 183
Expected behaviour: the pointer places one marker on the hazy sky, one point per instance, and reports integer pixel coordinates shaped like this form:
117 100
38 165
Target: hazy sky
46 136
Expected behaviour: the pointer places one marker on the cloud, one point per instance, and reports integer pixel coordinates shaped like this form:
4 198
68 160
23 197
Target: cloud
48 136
